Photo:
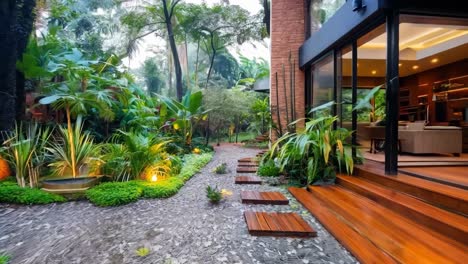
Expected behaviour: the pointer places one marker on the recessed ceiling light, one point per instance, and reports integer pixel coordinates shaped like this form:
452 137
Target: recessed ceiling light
435 60
399 64
374 72
415 67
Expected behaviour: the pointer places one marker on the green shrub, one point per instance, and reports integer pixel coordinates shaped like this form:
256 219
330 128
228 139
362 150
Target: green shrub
4 259
268 169
162 188
192 164
120 193
114 193
10 192
221 169
213 194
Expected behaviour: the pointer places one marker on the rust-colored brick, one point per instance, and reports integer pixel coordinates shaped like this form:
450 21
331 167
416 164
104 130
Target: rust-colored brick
287 35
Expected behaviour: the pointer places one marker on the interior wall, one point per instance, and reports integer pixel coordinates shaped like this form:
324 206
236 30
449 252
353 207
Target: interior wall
422 83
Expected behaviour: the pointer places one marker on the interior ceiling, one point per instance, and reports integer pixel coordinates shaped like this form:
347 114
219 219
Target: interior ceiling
422 47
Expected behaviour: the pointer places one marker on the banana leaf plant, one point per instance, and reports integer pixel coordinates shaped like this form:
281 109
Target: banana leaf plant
78 88
188 113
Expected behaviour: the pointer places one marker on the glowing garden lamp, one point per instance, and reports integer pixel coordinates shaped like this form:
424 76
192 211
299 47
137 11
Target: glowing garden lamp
154 178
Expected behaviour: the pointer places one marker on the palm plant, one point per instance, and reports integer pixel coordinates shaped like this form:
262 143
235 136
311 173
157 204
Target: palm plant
25 148
137 156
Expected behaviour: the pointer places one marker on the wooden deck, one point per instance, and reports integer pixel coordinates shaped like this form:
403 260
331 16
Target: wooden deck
456 176
248 180
441 195
277 224
392 219
254 197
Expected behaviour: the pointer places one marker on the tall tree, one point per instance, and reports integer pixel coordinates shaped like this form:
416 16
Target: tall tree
267 15
8 20
220 26
157 17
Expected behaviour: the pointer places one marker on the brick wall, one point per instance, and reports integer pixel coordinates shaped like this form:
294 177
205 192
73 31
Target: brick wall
287 35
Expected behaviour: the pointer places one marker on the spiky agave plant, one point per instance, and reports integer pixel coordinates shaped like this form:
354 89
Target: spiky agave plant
25 150
73 151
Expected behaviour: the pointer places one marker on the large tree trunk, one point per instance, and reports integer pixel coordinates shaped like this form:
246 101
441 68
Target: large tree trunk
8 17
175 54
196 63
26 18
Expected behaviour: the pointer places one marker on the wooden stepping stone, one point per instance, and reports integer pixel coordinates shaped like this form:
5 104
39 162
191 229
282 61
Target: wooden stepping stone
247 165
254 197
246 169
248 180
247 160
277 224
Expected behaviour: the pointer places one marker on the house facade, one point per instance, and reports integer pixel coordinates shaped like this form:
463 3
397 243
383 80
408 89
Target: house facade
338 50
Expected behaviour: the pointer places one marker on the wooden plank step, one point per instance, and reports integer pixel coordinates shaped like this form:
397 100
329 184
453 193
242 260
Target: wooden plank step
446 223
402 239
441 195
361 248
254 197
248 180
241 164
277 224
246 169
248 160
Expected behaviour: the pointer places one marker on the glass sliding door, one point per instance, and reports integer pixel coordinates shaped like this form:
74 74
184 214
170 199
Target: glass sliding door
323 82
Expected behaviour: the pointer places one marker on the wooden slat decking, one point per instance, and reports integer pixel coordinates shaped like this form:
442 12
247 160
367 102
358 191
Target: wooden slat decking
441 195
277 224
444 222
254 197
363 249
246 169
248 180
394 234
456 176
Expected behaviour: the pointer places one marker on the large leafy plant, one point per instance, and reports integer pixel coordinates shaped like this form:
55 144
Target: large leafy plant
316 152
78 89
188 113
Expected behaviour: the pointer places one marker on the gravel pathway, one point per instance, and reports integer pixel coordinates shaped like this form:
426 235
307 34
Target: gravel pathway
185 228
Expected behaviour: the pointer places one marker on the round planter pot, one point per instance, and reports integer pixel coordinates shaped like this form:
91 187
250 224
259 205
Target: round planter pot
81 183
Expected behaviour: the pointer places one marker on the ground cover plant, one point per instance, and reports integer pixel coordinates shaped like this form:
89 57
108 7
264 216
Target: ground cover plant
4 259
121 193
10 192
268 168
